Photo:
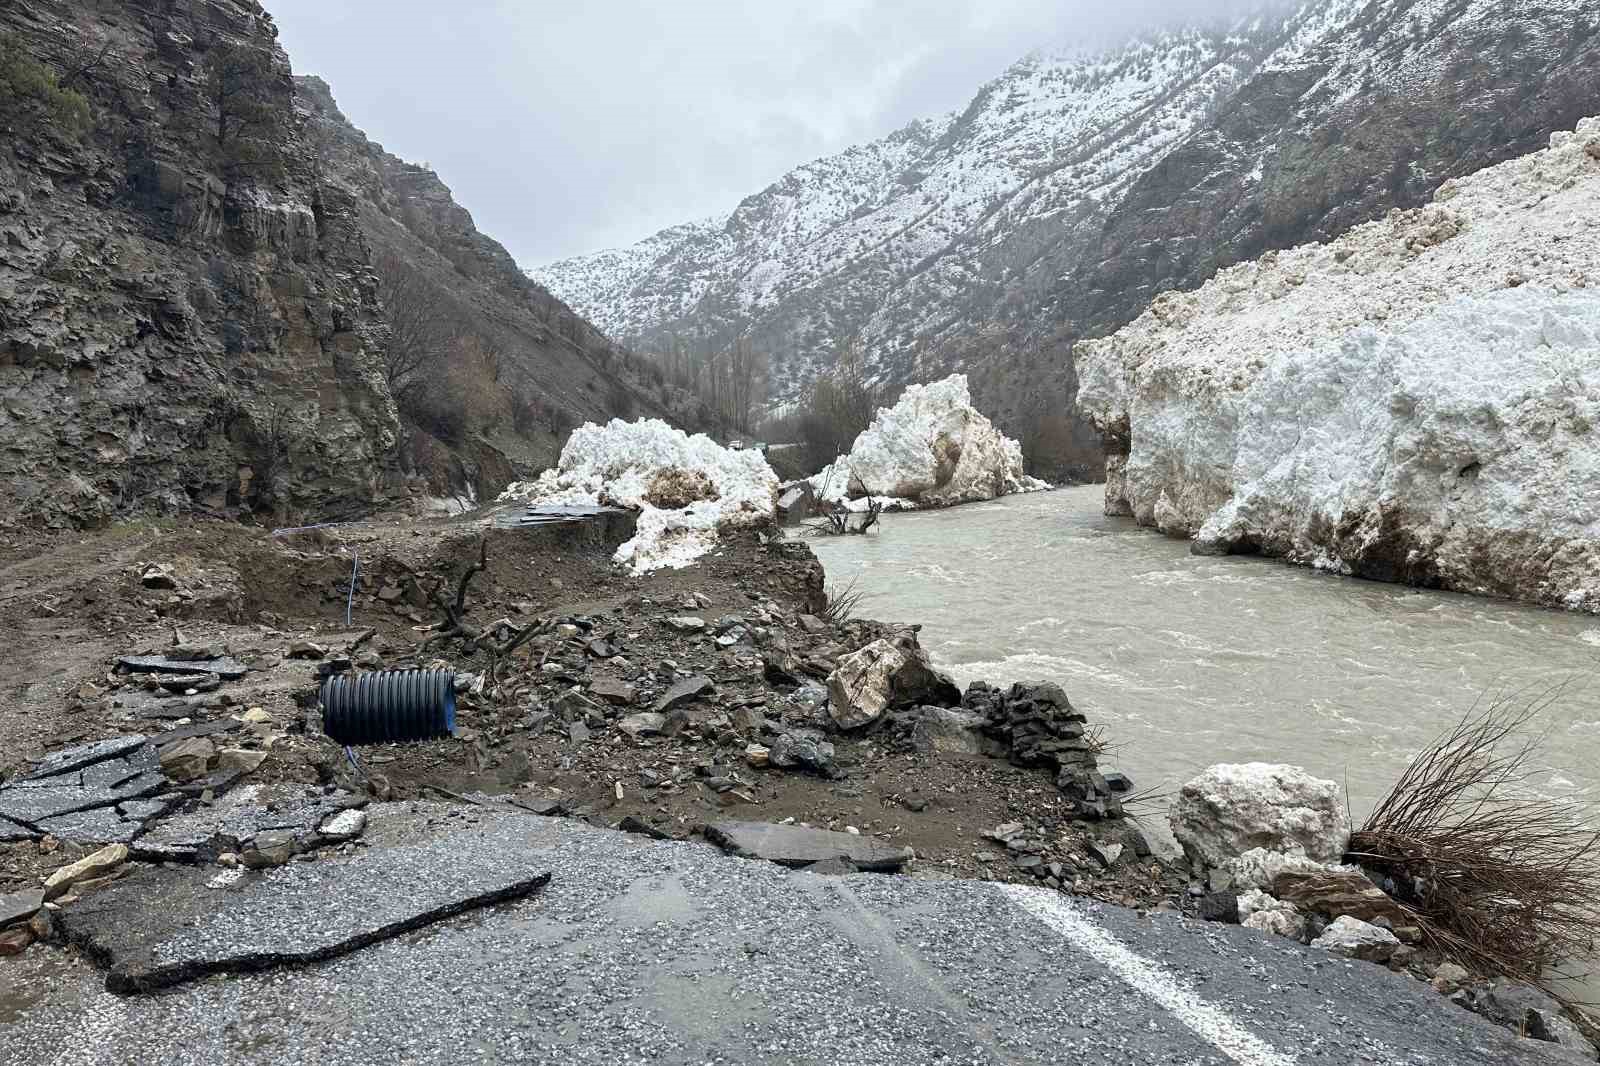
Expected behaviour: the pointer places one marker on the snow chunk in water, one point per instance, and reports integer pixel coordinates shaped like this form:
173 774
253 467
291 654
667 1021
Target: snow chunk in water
684 488
931 449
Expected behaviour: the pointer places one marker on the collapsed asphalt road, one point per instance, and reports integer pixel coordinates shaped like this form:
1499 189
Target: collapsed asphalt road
646 951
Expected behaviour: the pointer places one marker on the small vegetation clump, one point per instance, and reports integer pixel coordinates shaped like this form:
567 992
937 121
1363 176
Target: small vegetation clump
1501 879
27 87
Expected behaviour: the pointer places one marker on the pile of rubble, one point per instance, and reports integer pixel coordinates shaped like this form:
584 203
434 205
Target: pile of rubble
1267 845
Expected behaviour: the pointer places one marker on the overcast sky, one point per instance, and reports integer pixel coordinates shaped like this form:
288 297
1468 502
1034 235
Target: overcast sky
568 126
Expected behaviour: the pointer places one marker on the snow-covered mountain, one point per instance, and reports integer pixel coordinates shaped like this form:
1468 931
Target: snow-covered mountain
1075 187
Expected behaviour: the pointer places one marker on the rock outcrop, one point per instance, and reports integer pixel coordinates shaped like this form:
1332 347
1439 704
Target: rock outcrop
190 314
1411 402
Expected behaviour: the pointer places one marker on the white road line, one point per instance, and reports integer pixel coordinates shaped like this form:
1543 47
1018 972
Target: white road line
1211 1024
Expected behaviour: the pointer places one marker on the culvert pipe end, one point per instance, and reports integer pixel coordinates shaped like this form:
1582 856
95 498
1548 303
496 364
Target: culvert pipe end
389 706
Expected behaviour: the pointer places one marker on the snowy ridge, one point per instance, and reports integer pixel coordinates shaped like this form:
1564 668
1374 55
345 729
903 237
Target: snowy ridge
881 240
1415 401
685 488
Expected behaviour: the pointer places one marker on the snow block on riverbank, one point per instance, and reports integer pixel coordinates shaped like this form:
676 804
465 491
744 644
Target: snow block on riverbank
931 449
685 488
1417 401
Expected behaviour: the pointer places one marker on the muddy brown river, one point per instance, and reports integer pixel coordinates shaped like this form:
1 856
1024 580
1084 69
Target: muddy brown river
1187 661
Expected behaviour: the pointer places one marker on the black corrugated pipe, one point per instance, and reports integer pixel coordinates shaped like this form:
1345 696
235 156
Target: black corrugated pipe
389 705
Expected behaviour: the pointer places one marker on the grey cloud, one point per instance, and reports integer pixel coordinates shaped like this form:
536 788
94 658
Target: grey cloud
569 127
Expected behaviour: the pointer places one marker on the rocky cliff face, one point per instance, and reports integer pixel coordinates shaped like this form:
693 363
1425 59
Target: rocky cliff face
190 315
1072 189
1415 401
176 332
550 364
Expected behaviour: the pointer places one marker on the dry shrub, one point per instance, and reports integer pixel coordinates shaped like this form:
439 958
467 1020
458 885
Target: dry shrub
673 488
1501 879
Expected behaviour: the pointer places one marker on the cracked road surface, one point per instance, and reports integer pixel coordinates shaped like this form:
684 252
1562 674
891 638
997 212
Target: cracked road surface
640 951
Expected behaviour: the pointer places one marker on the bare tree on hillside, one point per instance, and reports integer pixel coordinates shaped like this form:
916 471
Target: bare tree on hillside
423 325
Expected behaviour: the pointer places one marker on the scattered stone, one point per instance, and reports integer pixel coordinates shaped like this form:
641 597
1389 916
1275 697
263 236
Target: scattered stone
272 848
18 907
939 729
1528 1012
686 691
242 759
793 845
256 716
1355 939
886 673
306 649
1119 782
1337 892
158 576
577 732
812 624
632 823
613 691
758 755
748 720
1261 912
1106 854
686 623
602 649
1231 808
43 926
87 868
188 759
644 723
1449 978
15 941
342 827
803 749
1220 907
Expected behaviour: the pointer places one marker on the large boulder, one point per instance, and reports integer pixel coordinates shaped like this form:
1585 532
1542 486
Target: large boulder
890 672
1231 808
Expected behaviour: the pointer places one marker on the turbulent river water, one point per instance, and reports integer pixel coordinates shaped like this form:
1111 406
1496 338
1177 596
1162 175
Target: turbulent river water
1187 661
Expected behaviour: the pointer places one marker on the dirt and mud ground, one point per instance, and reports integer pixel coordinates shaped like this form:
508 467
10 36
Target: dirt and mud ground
533 728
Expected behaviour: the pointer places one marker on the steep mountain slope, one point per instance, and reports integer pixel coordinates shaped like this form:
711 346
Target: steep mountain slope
551 368
1073 188
1414 401
189 311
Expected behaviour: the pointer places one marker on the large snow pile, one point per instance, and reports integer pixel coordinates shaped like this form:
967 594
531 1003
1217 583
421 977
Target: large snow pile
684 488
931 449
1417 401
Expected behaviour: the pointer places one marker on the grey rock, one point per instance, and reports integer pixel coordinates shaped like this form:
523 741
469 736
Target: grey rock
1355 939
793 845
644 723
685 691
18 907
271 848
939 729
1105 854
1220 907
613 691
1529 1012
686 623
346 825
803 749
188 759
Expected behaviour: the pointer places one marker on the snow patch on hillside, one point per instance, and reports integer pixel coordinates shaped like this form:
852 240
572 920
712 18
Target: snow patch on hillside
1417 401
685 488
931 449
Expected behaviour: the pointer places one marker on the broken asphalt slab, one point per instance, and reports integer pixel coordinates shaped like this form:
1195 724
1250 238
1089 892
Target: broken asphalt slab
227 669
165 926
70 759
795 845
239 818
